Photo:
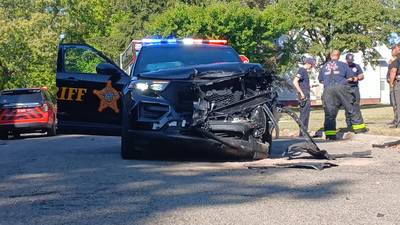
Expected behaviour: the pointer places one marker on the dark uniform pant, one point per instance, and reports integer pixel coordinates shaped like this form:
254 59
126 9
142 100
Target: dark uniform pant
393 104
355 92
396 95
337 95
305 113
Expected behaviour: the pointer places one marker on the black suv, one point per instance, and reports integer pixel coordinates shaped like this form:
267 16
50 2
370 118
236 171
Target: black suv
196 97
185 94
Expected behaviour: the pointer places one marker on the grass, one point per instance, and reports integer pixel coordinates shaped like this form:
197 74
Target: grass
376 118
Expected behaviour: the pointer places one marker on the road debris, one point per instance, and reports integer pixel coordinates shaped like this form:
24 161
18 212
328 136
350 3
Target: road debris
387 144
310 147
295 151
299 165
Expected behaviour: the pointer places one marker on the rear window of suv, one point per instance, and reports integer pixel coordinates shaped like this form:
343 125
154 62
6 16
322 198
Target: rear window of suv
21 96
159 57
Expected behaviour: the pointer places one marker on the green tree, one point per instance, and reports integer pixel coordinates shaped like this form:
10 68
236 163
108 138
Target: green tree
28 43
249 30
29 33
261 4
392 16
109 25
322 25
29 30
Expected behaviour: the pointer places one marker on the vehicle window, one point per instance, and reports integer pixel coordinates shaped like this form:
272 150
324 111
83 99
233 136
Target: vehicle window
13 97
81 60
163 65
128 57
153 58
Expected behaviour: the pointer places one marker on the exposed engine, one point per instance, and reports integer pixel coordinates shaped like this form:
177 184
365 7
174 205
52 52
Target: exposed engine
234 109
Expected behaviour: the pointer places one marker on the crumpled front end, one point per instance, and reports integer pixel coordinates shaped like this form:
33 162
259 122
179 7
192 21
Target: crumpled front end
227 110
233 111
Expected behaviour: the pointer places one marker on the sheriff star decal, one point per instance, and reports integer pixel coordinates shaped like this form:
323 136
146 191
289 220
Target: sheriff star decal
108 98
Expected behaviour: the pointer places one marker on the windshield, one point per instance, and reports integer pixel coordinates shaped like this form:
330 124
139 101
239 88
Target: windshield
25 96
158 57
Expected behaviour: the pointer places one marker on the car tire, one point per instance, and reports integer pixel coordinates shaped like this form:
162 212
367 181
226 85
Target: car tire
266 137
267 141
4 135
52 131
128 150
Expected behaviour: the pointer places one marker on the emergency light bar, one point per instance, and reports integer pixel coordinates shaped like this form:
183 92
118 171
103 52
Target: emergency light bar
128 57
185 41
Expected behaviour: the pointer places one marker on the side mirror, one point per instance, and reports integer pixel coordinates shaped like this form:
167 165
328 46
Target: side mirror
108 69
244 59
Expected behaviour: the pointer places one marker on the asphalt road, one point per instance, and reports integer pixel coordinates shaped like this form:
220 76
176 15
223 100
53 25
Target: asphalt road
82 180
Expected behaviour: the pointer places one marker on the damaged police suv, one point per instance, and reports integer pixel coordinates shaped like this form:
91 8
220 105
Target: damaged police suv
189 94
196 95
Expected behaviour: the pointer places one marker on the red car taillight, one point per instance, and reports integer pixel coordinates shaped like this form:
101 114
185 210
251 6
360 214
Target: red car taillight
244 59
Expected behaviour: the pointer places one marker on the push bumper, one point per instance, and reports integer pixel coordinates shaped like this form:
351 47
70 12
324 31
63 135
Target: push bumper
166 142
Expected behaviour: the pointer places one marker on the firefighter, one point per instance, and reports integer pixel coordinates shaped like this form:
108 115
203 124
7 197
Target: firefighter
358 76
335 76
394 82
302 84
392 101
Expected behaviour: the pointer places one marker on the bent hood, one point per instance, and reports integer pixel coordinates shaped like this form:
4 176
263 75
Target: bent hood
209 71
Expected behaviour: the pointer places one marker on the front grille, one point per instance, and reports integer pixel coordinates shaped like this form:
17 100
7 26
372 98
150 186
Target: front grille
152 111
223 97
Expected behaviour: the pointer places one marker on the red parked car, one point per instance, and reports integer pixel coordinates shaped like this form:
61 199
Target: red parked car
25 111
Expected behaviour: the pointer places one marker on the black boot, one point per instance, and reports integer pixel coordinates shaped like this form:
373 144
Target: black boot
360 131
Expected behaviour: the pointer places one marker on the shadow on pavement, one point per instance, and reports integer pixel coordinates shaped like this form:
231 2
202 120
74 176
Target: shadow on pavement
83 180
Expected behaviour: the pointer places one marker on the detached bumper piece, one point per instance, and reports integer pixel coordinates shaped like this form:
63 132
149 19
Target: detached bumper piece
299 165
312 148
387 144
258 149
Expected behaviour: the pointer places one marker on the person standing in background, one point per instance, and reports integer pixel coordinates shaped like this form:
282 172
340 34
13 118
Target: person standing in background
355 90
302 84
394 82
392 101
335 76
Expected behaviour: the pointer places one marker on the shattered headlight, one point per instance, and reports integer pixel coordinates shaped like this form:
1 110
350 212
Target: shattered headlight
200 110
145 85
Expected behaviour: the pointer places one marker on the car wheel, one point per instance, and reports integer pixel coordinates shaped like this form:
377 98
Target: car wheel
128 150
265 136
4 135
52 130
